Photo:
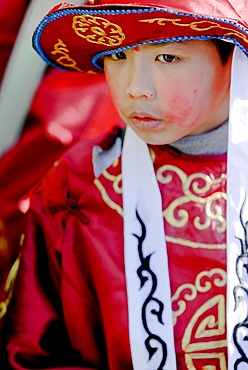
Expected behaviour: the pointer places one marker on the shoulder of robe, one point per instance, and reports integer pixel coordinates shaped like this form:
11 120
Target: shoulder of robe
66 182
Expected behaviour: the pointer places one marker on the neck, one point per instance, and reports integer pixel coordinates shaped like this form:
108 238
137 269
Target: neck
212 142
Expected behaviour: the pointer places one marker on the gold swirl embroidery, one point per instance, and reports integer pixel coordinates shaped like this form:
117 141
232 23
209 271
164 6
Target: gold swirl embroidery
210 326
188 292
65 60
116 180
193 193
195 245
218 281
107 199
207 328
196 356
98 30
190 295
188 183
116 184
203 25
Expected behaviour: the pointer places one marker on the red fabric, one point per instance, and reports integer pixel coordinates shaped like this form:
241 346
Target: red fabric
222 9
80 106
70 304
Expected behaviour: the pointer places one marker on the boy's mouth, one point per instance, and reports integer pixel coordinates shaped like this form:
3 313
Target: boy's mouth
144 121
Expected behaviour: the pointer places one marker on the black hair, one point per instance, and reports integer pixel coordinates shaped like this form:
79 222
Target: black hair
224 48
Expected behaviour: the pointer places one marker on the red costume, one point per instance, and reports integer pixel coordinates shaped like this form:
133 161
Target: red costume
72 286
82 295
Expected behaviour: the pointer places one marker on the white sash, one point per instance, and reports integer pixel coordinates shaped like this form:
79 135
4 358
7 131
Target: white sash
147 277
237 191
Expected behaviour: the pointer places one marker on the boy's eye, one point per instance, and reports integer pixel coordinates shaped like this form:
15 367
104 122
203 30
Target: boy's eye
166 58
118 56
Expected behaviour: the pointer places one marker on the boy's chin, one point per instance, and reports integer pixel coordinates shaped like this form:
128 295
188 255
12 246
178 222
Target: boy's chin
152 139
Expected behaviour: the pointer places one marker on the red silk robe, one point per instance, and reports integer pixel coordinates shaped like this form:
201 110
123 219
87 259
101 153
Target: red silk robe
69 310
77 100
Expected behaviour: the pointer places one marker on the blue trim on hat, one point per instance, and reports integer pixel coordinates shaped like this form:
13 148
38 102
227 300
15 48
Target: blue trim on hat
96 58
71 11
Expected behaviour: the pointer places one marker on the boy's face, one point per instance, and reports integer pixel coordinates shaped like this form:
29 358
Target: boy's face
168 91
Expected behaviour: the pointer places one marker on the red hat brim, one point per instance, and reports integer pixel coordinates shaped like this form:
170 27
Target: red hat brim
76 37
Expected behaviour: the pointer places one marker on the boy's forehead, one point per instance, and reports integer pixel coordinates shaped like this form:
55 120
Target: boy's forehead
179 45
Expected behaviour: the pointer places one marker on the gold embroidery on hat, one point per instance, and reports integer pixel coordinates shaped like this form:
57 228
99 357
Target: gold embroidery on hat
203 25
98 30
64 59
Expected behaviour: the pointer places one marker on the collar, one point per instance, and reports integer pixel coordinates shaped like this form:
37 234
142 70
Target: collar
213 142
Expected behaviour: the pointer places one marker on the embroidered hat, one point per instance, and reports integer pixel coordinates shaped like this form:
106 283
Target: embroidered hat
76 37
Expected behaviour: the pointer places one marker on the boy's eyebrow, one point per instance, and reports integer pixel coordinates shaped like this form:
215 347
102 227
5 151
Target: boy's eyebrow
179 44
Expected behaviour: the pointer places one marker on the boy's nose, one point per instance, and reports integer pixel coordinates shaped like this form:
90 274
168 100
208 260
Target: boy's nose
140 93
140 83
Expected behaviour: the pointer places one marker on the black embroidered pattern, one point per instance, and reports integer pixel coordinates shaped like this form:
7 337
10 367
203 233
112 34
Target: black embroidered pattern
145 275
240 333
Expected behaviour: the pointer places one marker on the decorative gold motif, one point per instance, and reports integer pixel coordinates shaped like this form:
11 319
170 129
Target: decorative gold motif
202 25
116 184
193 188
196 356
107 199
210 326
194 245
188 292
193 193
198 337
64 59
218 281
98 30
116 180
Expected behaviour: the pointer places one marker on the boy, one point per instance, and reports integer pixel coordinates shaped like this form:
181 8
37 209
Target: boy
130 260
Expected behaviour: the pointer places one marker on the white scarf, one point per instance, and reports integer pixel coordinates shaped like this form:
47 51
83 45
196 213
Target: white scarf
146 263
